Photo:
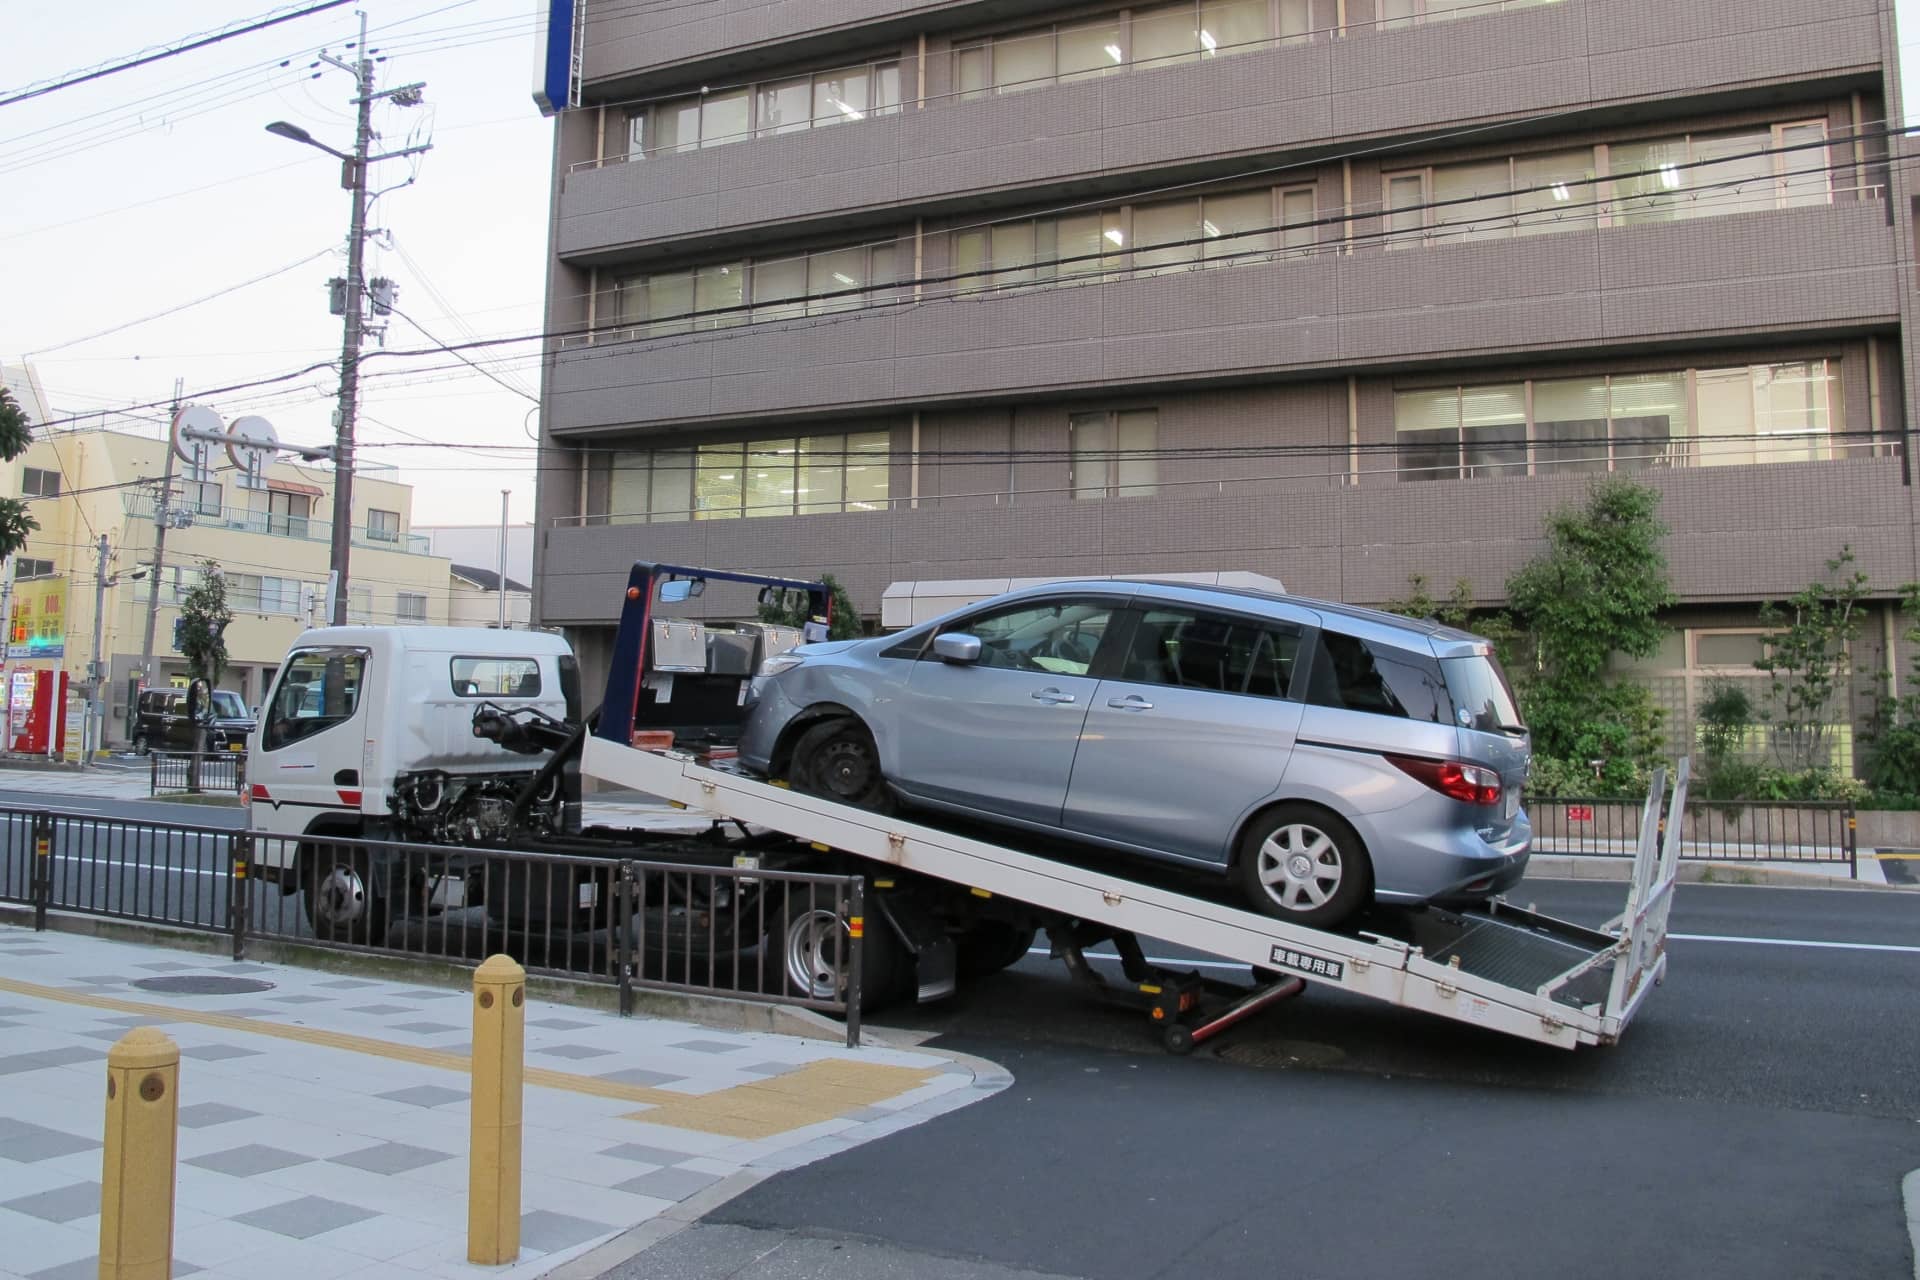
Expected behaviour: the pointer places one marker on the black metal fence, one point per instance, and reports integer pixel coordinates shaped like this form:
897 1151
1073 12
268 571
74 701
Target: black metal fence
1711 831
708 928
195 773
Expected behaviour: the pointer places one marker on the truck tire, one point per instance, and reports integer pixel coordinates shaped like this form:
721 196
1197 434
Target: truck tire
837 760
344 901
990 946
801 943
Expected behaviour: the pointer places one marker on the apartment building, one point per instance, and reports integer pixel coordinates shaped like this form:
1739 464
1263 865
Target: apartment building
1336 291
270 541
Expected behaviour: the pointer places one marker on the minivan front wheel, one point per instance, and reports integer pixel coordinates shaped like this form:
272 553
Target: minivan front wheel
1301 864
837 760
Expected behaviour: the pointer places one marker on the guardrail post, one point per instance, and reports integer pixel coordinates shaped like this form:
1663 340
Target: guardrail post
1852 837
240 858
493 1163
137 1164
42 888
153 772
623 958
856 917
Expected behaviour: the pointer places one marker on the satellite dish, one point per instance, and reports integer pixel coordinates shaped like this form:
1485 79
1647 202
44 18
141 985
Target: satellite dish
250 442
196 418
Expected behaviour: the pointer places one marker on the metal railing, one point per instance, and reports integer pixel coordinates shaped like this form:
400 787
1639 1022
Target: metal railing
196 772
1711 830
701 927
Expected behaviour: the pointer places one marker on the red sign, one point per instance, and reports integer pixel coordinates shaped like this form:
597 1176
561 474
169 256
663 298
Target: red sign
1579 813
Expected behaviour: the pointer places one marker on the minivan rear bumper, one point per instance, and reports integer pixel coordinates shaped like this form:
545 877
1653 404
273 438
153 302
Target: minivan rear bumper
1471 867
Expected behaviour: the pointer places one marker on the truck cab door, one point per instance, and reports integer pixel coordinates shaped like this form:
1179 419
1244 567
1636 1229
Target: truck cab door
307 755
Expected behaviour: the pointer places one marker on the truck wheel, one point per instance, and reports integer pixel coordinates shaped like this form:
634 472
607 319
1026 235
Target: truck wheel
989 947
807 941
836 760
1302 864
344 901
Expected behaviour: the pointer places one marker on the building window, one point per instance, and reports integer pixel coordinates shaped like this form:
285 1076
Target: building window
383 526
23 567
1157 36
1410 13
724 294
1621 422
1704 175
409 606
787 105
789 476
359 604
36 483
287 513
1114 453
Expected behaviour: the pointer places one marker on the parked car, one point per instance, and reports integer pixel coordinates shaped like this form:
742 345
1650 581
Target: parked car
1321 755
161 721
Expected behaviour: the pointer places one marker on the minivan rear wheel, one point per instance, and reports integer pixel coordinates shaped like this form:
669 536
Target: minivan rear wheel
1302 864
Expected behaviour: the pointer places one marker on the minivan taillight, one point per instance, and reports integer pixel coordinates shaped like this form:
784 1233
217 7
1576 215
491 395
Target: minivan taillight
1466 782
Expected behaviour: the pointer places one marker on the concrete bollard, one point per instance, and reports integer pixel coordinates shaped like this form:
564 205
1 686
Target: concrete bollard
493 1163
136 1177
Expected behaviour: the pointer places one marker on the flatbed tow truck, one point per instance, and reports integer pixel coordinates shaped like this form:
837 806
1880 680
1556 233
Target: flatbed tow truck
373 754
1502 967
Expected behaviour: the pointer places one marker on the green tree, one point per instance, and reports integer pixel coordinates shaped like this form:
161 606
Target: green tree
1458 611
1599 588
204 616
789 609
1893 739
1808 660
15 435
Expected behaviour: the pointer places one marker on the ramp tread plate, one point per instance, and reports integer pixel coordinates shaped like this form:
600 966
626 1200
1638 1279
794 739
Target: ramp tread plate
1522 958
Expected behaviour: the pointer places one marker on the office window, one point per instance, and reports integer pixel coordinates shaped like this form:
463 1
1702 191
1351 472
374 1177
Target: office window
1494 199
1114 454
243 592
383 526
721 295
790 104
409 606
1145 38
36 483
287 513
776 477
1150 239
1704 175
26 567
1621 422
716 482
1409 13
359 604
1297 217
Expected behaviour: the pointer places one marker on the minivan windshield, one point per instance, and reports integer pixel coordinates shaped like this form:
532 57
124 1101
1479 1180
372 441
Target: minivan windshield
1481 696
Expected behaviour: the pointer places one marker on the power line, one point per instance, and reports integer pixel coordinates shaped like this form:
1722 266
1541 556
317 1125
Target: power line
175 310
99 73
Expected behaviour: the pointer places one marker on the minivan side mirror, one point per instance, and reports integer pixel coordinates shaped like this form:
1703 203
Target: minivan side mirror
956 646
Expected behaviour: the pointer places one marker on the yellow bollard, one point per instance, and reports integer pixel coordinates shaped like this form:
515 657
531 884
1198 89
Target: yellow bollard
493 1165
136 1178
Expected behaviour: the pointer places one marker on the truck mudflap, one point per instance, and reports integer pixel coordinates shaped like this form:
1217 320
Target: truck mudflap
1510 970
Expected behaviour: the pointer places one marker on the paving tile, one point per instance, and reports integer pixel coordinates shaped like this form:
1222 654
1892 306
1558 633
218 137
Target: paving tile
642 1076
668 1184
29 1143
557 1024
33 1244
346 984
88 1268
425 1095
219 1052
297 998
429 993
391 1157
575 1052
289 1259
62 1204
15 1011
31 951
244 1162
381 1238
167 967
214 1244
547 1231
202 1115
425 1028
19 1062
244 967
101 979
382 1010
305 1217
645 1154
708 1046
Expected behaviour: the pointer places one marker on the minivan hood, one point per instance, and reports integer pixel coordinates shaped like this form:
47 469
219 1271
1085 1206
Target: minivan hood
823 648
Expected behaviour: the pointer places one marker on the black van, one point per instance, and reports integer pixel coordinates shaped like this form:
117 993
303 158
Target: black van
161 721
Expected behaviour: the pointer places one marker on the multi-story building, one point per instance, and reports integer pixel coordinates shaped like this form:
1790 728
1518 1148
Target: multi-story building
1336 291
271 542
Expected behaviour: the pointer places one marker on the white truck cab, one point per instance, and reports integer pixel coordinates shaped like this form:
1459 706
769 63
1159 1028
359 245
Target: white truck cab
369 731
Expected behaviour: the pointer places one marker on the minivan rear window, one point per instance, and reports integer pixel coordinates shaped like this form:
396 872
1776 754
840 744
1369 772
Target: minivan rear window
1481 693
1365 675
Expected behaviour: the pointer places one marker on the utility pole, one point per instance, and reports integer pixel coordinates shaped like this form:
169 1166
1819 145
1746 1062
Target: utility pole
162 517
96 712
502 584
354 177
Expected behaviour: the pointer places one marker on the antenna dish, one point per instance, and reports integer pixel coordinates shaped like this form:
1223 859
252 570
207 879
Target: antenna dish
251 441
194 417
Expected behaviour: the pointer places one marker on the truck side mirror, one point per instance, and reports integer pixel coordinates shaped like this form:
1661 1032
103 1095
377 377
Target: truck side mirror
676 591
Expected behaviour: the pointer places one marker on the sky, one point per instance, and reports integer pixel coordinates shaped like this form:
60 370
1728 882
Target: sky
152 230
146 191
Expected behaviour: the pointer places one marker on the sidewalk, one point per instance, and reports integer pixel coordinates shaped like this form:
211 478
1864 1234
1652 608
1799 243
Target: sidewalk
323 1120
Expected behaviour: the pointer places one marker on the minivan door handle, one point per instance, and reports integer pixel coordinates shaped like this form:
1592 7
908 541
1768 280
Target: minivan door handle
1132 702
1052 696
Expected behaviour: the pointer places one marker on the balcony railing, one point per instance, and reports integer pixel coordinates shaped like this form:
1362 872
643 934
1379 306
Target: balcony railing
140 504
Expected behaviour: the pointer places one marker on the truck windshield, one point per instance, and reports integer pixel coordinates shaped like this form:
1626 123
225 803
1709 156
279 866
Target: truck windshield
318 688
1481 694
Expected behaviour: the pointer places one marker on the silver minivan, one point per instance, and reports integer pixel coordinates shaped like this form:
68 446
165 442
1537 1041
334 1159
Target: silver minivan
1321 755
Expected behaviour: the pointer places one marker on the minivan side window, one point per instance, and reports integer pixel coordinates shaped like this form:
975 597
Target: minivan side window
319 688
1194 649
1060 636
1365 675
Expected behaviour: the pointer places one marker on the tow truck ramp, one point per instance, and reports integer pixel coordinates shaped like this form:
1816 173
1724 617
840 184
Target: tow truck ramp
1504 968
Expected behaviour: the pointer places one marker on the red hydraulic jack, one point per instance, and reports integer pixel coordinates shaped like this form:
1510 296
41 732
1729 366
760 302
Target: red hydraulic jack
1189 1009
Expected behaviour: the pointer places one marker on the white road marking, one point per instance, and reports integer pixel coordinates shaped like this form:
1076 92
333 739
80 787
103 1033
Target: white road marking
139 866
1796 942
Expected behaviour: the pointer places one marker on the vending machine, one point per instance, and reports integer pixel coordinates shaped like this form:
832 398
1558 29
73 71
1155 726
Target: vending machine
36 712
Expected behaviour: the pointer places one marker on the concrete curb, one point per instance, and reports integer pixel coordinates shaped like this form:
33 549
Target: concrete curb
1910 1192
718 1012
1560 867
